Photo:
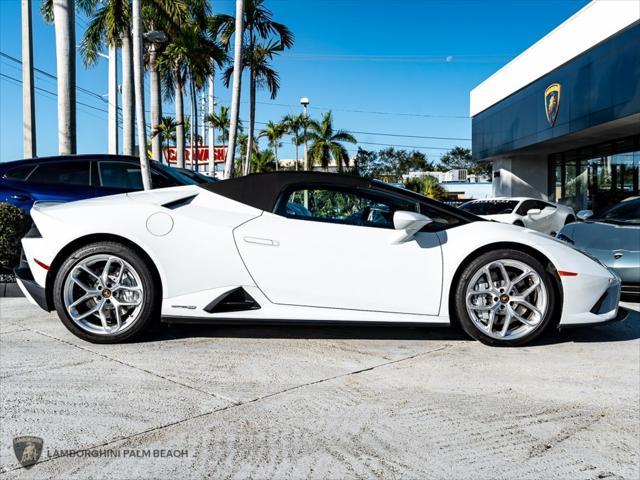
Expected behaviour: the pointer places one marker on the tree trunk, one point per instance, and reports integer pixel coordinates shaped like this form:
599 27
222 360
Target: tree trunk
252 121
113 100
177 85
235 96
212 133
128 130
156 106
28 97
194 125
64 19
296 145
275 153
138 80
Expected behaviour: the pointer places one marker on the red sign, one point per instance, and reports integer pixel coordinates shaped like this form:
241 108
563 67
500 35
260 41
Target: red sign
219 154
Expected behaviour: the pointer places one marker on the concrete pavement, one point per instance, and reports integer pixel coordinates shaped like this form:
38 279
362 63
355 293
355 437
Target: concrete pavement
319 402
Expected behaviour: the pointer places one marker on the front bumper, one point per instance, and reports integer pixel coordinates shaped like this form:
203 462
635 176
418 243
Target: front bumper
34 292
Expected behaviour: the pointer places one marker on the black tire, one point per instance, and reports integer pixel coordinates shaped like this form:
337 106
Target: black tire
518 223
569 219
150 304
550 317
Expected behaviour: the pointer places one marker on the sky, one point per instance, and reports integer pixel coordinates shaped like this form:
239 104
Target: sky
393 72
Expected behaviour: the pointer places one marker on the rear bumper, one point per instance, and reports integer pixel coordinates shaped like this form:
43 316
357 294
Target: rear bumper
34 292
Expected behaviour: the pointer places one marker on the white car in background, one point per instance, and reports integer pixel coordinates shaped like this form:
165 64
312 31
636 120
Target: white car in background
532 213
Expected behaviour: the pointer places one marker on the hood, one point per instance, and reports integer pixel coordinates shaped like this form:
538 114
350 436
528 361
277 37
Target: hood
603 236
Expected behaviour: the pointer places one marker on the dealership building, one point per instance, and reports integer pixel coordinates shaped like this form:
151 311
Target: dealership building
561 121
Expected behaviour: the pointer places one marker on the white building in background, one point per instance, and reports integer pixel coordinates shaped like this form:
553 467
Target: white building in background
457 175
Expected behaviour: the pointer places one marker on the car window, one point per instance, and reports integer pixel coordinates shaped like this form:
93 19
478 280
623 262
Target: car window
345 206
64 173
490 207
120 175
19 173
624 213
527 205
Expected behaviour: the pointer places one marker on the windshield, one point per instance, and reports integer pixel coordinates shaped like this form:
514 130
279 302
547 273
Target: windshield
626 213
175 175
490 207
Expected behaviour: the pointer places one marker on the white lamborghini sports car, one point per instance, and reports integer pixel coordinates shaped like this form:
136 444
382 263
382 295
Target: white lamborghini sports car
303 247
532 213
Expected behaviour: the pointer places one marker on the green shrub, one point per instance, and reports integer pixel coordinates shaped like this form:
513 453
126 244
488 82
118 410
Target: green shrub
428 186
14 223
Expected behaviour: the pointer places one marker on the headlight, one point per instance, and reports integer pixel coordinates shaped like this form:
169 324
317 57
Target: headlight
564 238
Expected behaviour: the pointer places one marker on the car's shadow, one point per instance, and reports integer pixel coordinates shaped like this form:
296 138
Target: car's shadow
611 332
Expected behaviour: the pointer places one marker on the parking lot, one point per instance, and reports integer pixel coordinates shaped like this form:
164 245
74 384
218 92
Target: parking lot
319 402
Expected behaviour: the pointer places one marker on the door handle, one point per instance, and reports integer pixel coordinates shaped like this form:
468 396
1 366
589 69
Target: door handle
262 241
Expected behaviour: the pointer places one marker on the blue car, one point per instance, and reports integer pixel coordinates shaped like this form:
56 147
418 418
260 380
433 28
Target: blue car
75 177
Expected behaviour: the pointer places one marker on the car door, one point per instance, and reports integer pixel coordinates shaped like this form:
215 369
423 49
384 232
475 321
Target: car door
336 248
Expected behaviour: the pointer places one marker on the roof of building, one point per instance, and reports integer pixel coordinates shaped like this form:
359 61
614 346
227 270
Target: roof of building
591 25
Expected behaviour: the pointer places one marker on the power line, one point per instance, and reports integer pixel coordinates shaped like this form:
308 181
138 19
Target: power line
53 77
54 94
372 112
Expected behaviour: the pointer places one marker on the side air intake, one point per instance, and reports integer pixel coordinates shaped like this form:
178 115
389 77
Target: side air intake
235 300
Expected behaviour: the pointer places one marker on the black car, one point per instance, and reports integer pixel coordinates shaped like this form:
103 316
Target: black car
75 177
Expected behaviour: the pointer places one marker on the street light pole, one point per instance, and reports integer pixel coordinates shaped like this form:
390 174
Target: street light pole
304 101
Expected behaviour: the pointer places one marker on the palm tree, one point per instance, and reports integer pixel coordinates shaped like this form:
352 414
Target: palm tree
263 161
28 96
294 125
235 93
427 185
273 132
111 25
167 128
62 14
326 143
258 26
261 74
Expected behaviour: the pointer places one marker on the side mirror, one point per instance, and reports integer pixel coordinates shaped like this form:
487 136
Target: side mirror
534 211
584 214
410 223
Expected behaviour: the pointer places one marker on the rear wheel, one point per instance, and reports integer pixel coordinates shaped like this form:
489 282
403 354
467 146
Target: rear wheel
518 223
104 293
505 298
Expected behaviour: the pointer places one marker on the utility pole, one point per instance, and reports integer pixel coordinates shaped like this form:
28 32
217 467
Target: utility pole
28 97
113 100
237 83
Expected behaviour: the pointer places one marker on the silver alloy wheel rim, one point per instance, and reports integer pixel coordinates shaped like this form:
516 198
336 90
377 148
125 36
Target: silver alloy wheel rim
103 294
506 299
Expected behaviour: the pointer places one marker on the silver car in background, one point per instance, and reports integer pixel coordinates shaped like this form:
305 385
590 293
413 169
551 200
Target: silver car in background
613 237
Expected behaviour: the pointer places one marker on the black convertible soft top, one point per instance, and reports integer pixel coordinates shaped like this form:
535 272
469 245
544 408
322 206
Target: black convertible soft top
262 190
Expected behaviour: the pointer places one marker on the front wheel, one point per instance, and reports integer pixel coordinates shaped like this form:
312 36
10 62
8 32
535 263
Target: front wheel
104 293
505 298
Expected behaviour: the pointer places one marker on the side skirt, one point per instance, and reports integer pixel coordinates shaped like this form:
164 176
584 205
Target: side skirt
171 319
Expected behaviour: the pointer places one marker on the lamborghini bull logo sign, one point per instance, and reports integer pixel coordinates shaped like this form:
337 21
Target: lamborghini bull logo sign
552 102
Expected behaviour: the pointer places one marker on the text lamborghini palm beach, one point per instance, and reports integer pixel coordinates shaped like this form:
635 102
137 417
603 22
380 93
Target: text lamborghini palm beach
303 247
